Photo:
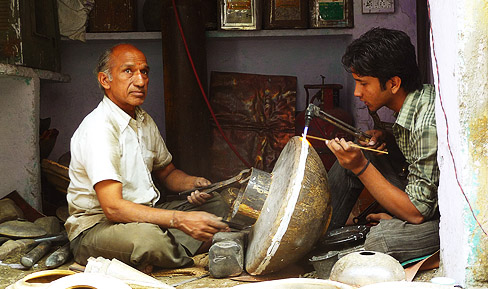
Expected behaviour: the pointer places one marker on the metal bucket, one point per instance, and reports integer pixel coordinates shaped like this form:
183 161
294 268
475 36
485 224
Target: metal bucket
250 199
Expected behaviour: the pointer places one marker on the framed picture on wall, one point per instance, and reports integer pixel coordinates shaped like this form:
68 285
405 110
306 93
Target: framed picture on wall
378 6
331 14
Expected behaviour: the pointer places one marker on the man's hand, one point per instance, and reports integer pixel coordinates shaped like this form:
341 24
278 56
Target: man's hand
349 157
198 198
377 140
199 225
201 182
375 218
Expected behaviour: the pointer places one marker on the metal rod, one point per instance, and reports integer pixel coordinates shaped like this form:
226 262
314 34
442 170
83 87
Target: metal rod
353 145
190 280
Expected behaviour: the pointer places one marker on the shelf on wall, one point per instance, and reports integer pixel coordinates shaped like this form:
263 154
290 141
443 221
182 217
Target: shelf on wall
225 34
123 35
278 33
22 71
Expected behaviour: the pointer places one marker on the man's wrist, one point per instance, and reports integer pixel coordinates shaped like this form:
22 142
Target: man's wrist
363 169
174 222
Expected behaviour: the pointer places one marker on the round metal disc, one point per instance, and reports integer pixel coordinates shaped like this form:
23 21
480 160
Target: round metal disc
295 214
21 229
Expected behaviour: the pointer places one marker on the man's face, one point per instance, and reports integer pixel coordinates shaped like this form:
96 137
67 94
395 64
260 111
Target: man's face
130 77
369 91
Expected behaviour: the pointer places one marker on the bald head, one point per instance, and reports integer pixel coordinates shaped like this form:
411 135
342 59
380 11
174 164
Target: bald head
105 59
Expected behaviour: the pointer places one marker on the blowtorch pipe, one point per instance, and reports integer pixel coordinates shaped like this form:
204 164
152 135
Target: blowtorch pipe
310 113
314 111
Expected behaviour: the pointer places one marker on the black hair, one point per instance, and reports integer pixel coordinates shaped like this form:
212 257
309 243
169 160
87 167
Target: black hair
384 53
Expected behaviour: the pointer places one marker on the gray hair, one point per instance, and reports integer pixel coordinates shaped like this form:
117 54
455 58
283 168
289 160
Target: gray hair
104 64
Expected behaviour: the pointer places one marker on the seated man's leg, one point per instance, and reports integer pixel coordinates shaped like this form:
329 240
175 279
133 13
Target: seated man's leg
215 205
136 244
345 188
402 240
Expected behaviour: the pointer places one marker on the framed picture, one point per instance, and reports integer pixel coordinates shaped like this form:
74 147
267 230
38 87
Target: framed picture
331 14
240 14
280 14
378 6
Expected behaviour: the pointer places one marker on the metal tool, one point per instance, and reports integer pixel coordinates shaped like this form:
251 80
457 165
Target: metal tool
190 280
315 111
353 145
236 226
61 237
215 186
36 254
240 178
59 257
14 266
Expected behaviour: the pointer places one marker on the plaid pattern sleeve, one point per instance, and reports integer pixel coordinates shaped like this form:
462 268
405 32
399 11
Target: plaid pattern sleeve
416 134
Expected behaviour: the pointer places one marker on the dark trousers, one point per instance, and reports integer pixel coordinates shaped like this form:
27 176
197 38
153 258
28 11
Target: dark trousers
402 240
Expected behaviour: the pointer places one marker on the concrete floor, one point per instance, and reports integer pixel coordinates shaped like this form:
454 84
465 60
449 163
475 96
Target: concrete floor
172 277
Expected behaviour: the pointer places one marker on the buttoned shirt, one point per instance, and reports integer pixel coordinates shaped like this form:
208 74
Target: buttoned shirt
111 145
416 135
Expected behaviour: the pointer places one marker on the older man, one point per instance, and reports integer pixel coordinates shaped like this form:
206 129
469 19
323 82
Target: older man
116 152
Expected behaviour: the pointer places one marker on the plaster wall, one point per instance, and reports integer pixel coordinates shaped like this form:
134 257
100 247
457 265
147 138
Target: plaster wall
19 141
460 37
305 57
309 57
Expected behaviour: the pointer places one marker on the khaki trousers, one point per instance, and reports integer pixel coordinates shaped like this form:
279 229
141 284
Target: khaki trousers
142 244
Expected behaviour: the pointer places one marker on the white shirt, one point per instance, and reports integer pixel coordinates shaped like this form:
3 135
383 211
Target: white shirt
111 145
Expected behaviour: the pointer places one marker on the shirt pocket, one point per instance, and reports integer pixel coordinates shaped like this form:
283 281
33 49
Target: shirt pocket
149 157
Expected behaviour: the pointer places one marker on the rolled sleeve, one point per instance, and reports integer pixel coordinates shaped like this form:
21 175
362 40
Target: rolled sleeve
423 174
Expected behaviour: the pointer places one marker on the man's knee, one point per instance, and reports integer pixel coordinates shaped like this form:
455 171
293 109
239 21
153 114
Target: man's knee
402 240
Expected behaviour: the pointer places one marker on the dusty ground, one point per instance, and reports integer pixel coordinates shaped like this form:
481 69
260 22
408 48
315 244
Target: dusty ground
10 276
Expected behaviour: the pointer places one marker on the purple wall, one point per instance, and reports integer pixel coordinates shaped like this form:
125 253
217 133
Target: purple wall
306 57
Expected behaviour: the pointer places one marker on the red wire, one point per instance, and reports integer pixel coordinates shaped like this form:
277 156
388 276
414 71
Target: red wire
203 91
447 125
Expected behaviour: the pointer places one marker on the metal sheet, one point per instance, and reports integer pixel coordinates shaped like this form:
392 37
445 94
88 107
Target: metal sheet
256 113
295 214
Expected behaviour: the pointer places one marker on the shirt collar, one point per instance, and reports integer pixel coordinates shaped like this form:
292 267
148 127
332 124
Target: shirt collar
405 115
120 116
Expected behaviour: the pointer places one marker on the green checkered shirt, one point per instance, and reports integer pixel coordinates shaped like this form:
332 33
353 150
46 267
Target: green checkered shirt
416 134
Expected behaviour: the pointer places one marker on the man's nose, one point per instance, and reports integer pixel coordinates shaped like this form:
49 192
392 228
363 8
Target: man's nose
139 78
357 91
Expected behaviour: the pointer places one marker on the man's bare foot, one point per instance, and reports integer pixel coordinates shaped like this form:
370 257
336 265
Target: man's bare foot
146 269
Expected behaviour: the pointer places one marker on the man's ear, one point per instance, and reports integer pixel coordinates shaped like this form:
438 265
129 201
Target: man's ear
103 80
396 83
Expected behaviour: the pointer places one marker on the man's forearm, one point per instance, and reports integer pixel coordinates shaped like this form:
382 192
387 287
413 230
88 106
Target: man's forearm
178 181
174 179
390 197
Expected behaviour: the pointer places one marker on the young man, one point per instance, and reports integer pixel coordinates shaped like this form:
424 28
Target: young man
115 153
383 64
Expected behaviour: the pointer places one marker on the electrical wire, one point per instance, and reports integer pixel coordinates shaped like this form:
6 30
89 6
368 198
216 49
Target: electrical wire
202 90
447 125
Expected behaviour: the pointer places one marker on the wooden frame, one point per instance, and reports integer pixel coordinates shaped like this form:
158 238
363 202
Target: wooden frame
331 14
